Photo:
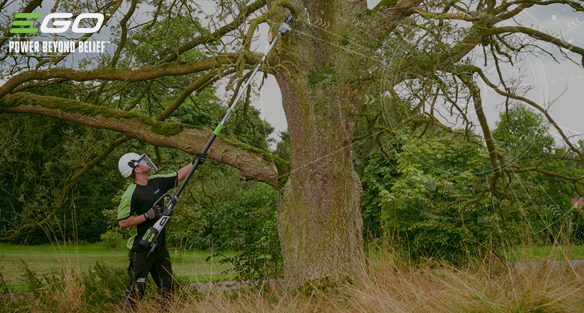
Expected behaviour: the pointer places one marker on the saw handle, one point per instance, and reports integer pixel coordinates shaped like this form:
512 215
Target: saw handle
152 233
169 206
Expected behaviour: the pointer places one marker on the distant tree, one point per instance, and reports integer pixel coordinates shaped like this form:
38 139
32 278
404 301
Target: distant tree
283 146
524 135
525 142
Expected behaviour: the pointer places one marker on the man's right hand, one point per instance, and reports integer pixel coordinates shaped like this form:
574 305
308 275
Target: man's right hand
154 213
201 157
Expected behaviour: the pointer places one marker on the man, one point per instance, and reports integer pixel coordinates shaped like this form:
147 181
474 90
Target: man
136 210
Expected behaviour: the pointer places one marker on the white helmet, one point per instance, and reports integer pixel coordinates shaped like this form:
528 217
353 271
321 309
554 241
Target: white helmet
128 161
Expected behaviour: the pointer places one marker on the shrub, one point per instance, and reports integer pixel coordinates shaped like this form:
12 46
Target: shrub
111 239
417 197
249 226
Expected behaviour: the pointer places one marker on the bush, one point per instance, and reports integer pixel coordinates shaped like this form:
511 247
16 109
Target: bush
250 227
414 197
112 239
245 221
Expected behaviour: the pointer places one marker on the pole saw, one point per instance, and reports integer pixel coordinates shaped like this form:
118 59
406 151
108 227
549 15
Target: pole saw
149 239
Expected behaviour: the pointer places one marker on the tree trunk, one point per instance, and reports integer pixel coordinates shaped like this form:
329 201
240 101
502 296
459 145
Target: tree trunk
319 216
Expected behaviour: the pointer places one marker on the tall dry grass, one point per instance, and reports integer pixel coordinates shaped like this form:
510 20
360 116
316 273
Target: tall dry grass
68 297
395 287
389 286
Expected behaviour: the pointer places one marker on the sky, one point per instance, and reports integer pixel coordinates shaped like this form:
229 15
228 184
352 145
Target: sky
559 84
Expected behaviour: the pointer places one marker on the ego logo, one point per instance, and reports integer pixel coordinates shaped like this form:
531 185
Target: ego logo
59 26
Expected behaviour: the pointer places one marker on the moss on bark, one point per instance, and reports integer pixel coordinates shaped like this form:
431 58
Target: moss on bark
386 3
71 106
167 129
319 219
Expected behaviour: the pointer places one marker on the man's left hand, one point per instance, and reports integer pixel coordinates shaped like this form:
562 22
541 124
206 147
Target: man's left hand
154 213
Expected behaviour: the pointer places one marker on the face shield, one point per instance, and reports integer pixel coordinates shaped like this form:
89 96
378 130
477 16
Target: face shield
145 161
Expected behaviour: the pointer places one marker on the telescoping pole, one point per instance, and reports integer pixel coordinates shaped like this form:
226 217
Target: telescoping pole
149 239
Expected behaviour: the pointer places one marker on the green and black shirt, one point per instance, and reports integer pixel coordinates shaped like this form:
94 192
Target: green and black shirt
138 199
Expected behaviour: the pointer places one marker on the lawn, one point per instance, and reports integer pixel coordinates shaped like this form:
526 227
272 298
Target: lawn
391 285
191 265
517 254
543 253
46 258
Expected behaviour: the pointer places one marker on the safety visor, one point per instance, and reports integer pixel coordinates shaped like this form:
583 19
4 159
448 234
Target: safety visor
145 160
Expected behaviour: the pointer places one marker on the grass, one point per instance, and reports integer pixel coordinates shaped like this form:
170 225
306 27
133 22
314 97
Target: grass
544 253
388 285
192 265
485 285
46 258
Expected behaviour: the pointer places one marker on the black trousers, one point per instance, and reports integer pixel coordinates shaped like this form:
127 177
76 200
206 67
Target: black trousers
158 265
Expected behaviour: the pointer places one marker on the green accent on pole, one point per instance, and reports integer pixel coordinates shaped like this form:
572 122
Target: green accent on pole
23 30
28 15
22 23
218 129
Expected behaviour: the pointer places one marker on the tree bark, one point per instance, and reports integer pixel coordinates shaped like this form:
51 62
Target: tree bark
319 216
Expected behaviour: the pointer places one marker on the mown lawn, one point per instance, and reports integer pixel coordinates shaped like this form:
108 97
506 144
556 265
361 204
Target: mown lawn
543 253
192 265
47 258
516 254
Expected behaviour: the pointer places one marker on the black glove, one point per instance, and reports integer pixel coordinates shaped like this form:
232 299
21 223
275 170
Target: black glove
201 157
153 213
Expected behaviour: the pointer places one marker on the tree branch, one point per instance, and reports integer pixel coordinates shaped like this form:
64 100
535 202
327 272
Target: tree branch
142 74
65 191
254 163
533 104
238 21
